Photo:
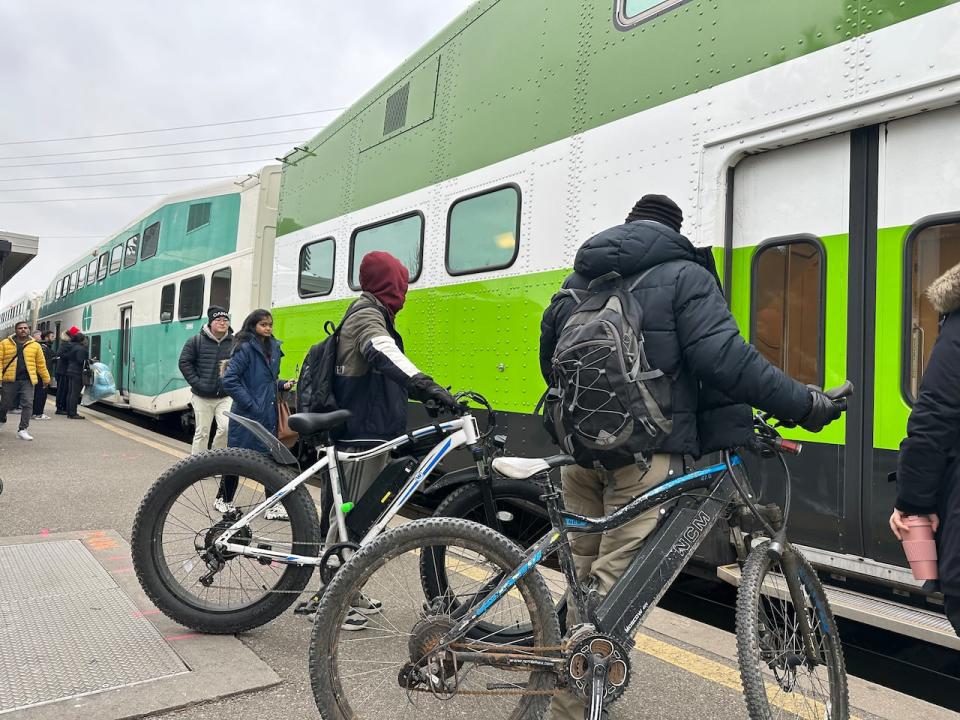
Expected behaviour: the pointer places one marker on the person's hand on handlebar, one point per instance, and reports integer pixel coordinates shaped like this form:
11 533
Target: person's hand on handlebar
824 409
425 389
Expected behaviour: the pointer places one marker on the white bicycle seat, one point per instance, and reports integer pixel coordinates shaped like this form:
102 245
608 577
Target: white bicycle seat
522 468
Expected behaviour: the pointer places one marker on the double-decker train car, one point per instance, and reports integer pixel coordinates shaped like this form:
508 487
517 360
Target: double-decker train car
139 295
815 146
24 309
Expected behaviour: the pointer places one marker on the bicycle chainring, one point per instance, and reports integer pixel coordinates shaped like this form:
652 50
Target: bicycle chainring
585 650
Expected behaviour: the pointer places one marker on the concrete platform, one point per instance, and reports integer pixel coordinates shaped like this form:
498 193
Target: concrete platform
81 481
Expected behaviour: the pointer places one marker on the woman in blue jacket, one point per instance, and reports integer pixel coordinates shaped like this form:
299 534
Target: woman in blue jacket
252 380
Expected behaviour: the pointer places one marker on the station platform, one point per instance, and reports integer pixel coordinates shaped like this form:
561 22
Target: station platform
78 639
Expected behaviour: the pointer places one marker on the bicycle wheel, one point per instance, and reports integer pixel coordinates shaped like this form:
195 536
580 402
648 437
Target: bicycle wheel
523 519
366 675
778 680
177 522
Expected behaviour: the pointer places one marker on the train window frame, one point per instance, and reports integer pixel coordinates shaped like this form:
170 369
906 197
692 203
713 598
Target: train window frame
203 287
172 287
57 293
92 272
623 21
74 278
190 215
910 239
382 223
103 265
82 277
473 196
213 280
333 274
804 238
154 237
135 239
118 261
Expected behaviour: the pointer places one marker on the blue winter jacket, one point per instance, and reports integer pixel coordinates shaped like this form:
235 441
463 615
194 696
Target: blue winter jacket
253 383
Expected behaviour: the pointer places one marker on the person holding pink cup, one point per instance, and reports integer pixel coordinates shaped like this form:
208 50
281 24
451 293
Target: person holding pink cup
926 514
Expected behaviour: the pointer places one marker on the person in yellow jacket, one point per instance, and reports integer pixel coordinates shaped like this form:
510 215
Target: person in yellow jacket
23 366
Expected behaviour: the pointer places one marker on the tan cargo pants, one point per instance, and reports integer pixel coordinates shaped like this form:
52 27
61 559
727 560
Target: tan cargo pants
605 556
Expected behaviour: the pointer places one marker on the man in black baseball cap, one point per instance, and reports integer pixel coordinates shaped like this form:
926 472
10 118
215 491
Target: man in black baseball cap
200 363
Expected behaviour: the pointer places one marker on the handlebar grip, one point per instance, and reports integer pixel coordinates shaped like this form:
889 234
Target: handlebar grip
839 393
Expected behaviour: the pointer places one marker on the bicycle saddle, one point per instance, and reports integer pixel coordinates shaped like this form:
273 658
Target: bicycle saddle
313 423
523 468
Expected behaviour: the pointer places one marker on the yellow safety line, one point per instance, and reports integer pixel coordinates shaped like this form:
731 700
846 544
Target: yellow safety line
137 438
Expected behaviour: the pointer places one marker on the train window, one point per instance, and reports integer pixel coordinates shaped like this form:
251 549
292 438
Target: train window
199 216
92 272
220 288
116 259
130 254
191 298
788 308
73 280
95 347
316 268
58 293
483 231
402 237
151 240
82 280
102 264
166 302
932 249
630 13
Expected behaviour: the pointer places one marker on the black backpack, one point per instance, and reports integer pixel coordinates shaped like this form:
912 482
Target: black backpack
315 383
606 406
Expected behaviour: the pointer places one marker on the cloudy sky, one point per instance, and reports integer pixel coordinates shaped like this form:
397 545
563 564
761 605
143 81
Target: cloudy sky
120 67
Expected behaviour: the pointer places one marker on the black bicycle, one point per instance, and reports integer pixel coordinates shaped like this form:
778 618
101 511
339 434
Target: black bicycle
422 653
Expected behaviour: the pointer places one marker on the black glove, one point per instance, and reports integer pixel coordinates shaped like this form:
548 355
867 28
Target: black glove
423 388
823 411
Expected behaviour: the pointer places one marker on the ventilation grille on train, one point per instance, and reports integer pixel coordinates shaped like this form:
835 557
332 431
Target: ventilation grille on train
396 114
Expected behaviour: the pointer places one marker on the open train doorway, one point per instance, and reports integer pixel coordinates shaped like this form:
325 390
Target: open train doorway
124 376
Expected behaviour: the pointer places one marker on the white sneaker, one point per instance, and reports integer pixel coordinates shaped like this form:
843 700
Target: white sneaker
15 411
24 435
277 512
222 506
41 417
366 605
354 621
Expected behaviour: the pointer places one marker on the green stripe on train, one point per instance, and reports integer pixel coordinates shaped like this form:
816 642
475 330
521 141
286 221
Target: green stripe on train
510 76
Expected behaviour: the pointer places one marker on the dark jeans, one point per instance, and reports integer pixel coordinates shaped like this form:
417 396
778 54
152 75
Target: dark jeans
72 396
951 607
14 391
39 399
62 390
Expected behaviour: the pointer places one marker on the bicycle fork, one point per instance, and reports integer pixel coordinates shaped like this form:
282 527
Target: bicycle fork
791 573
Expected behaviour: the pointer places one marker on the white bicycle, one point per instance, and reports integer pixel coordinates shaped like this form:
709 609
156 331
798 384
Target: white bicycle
228 572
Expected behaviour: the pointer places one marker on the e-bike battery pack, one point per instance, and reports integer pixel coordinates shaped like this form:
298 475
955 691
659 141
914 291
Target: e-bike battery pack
382 492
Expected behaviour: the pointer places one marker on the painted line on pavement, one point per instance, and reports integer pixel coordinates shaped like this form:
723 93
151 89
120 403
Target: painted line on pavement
137 438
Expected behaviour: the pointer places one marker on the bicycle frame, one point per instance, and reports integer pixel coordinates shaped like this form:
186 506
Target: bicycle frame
652 570
460 431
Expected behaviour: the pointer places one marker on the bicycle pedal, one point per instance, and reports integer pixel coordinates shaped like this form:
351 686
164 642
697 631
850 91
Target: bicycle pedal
309 607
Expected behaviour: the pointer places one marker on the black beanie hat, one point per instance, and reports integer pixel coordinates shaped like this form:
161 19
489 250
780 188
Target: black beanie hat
215 311
659 208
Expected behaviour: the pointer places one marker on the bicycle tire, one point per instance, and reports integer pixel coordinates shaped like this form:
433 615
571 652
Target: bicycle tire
754 640
466 502
325 642
159 583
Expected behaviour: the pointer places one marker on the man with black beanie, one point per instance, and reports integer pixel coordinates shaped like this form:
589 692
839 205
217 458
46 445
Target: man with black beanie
715 379
201 363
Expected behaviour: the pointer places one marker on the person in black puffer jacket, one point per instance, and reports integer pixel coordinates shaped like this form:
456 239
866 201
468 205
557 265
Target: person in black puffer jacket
73 356
200 364
928 471
691 336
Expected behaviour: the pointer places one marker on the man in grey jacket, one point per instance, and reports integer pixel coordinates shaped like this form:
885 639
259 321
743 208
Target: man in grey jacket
201 359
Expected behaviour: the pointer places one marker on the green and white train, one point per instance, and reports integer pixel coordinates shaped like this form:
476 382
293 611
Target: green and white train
814 145
141 294
24 309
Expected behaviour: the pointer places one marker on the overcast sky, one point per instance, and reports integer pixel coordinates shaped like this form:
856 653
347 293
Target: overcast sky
71 70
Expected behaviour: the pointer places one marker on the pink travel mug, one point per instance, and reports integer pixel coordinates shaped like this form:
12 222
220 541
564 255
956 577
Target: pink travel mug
919 547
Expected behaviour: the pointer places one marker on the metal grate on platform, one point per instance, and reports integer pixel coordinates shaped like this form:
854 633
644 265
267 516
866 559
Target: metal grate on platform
67 629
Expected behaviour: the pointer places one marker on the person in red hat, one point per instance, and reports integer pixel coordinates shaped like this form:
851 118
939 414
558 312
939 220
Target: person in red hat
73 356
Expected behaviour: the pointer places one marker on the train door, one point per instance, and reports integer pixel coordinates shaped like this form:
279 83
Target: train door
917 240
124 374
790 245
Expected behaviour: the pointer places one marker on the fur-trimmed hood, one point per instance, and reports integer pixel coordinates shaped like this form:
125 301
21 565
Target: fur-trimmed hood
944 292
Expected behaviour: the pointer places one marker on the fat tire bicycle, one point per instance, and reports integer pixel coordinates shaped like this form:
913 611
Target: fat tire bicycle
229 572
421 654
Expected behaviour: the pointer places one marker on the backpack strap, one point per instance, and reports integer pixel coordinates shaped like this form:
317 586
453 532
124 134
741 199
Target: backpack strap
640 278
611 276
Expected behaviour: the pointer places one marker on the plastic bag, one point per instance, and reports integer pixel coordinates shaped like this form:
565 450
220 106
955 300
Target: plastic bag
103 384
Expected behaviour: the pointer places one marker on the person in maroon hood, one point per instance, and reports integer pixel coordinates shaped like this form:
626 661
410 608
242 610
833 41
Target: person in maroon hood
374 379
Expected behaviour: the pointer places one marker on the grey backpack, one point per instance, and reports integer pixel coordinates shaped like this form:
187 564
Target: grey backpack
606 406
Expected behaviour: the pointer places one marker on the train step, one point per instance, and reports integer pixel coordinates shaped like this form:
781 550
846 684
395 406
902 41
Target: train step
876 612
